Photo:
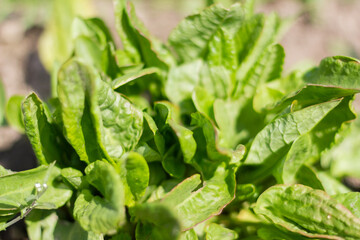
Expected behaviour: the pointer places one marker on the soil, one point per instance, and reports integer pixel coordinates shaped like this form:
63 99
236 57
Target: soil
313 35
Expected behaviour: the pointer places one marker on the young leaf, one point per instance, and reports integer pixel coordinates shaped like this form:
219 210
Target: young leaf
117 122
134 172
75 113
137 42
2 102
97 214
309 212
343 72
14 116
19 190
216 231
41 132
157 221
191 37
280 133
193 207
94 45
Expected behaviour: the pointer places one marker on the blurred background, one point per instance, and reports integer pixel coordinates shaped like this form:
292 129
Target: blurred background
30 28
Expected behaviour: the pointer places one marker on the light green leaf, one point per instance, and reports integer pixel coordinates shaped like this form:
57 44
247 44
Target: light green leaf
309 177
350 200
188 235
268 66
41 224
204 101
269 144
215 231
58 34
309 212
331 185
226 115
94 45
343 156
137 75
2 102
216 80
193 207
19 191
273 233
191 37
72 176
73 231
134 172
42 134
157 222
222 50
343 72
138 44
14 116
253 41
117 122
75 113
171 117
269 93
182 80
97 214
298 154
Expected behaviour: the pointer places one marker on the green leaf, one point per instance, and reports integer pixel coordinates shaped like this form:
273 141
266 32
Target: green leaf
41 225
343 155
97 214
331 185
203 101
269 93
309 177
279 134
222 50
19 191
137 75
134 172
75 113
188 235
58 31
42 134
73 231
171 117
194 206
309 212
157 222
253 41
273 233
58 34
216 231
190 39
72 176
298 154
351 201
138 44
94 45
14 116
2 102
343 72
182 80
117 122
267 67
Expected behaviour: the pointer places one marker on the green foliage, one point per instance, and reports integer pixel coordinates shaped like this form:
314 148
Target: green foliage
2 103
210 141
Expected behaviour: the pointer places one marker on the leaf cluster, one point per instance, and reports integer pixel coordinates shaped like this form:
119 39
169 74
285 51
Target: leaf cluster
203 137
